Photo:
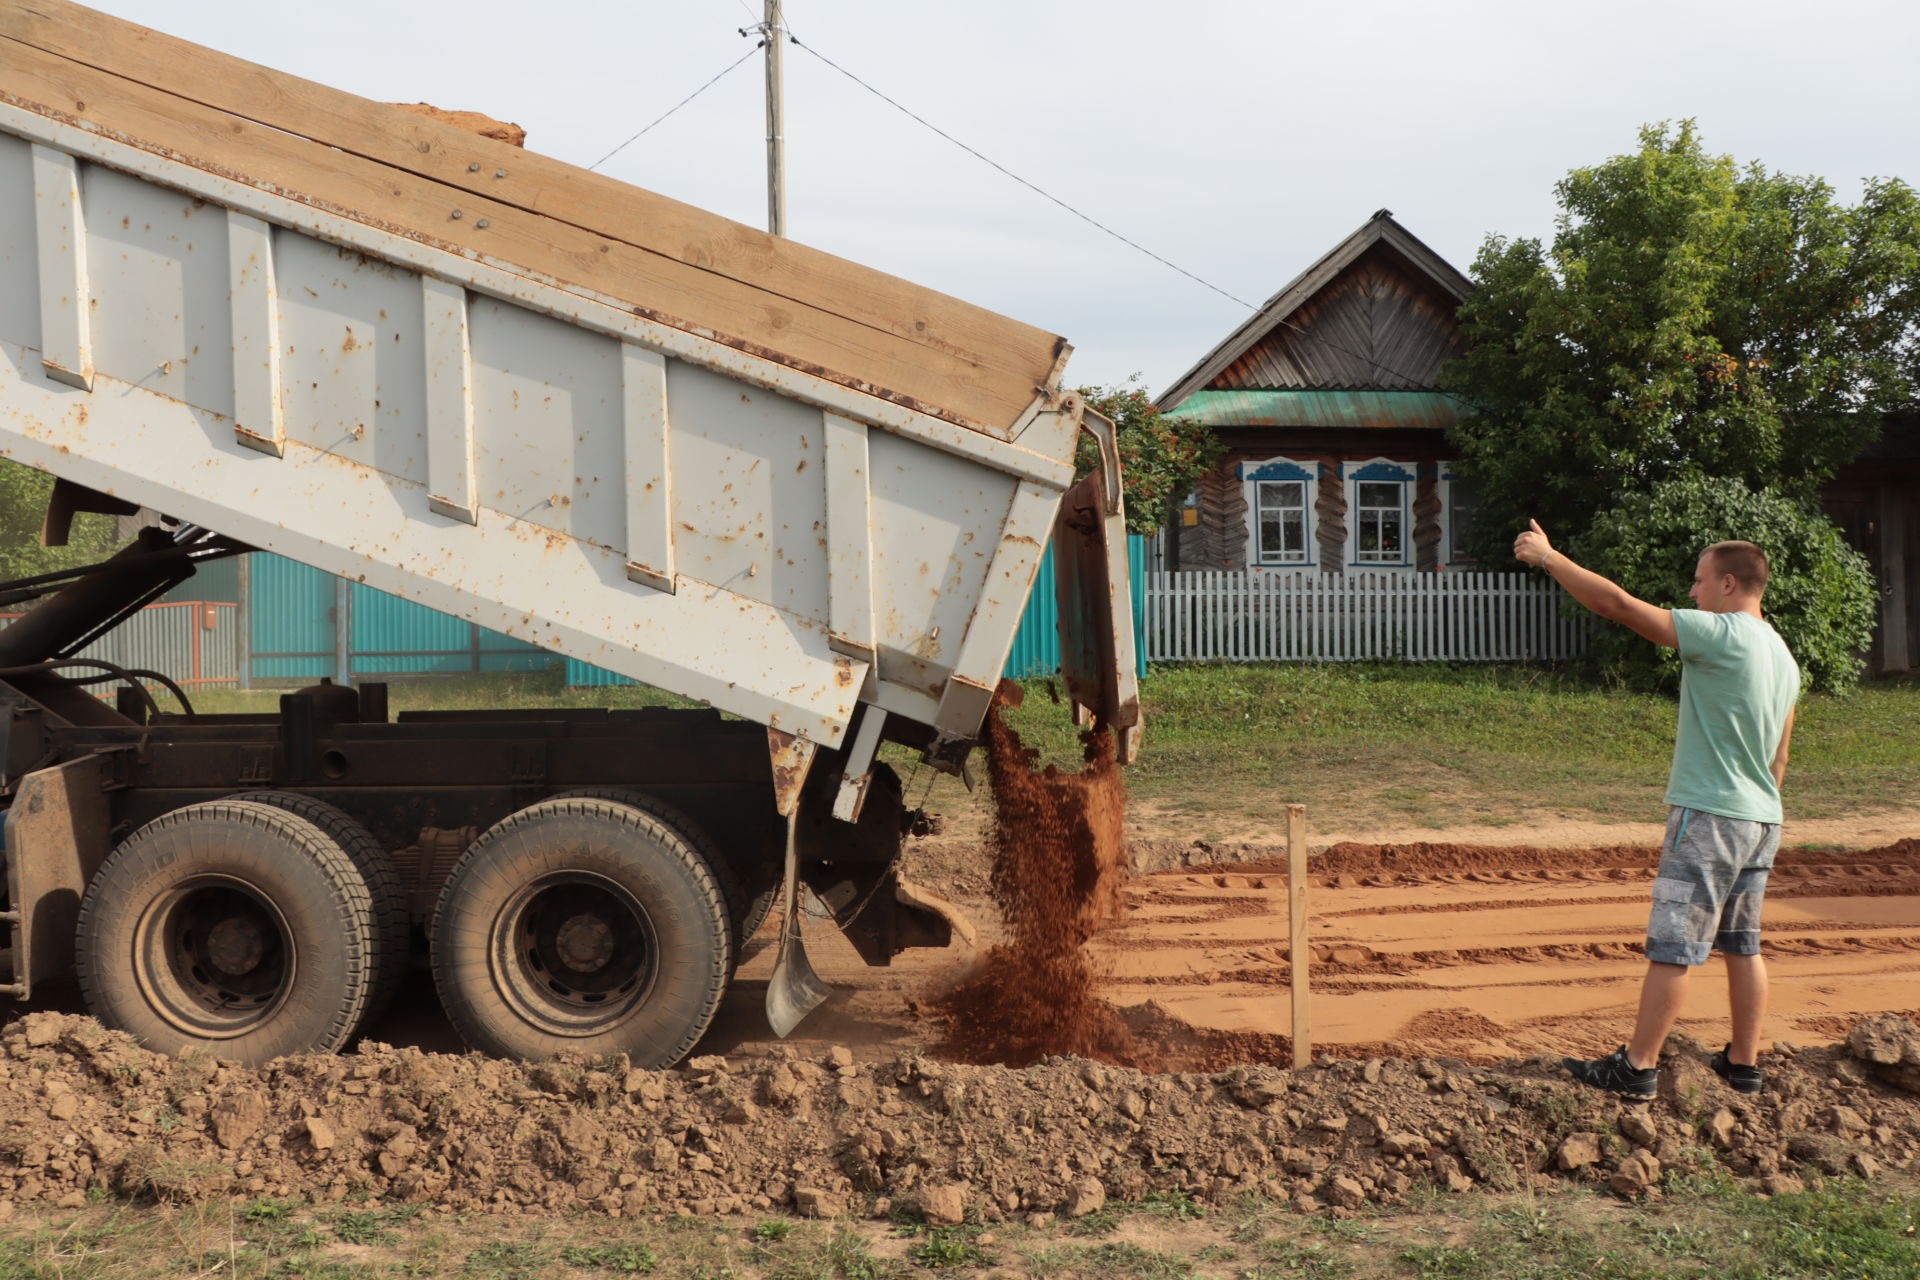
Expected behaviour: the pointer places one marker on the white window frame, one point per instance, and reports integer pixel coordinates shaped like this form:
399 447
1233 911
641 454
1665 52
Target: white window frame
1280 469
1448 525
1380 471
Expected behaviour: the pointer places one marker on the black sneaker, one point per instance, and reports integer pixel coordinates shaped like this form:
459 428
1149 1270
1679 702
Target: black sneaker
1743 1079
1616 1074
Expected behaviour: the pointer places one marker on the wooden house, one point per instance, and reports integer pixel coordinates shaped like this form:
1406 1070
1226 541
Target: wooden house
1327 401
1337 459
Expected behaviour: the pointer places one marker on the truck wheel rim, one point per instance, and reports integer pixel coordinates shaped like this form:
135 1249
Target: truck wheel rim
574 953
214 958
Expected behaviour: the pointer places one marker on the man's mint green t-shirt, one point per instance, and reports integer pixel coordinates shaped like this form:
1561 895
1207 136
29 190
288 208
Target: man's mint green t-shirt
1738 684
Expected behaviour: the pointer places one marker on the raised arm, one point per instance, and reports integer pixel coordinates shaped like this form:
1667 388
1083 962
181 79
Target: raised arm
1601 595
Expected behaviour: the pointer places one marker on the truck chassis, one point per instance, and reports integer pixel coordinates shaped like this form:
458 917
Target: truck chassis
256 884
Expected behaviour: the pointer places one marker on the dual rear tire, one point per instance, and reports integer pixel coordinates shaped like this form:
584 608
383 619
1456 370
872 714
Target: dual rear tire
586 925
232 927
272 923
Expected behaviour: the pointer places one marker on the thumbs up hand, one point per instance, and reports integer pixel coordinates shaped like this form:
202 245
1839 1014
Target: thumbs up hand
1532 546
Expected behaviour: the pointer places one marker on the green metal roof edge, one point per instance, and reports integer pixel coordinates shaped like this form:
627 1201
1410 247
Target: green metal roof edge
1299 408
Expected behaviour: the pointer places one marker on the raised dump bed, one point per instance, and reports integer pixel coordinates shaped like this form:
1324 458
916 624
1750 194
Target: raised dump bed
576 412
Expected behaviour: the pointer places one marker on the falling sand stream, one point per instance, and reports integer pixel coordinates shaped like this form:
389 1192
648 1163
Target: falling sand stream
1059 864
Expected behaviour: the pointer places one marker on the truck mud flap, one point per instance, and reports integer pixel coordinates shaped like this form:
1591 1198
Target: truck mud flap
1091 580
56 838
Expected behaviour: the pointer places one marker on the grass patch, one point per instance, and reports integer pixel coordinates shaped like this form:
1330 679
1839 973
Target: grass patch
363 1227
627 1259
1436 744
1362 744
1846 1230
1177 1206
838 1252
1124 1258
1311 1260
507 1260
944 1248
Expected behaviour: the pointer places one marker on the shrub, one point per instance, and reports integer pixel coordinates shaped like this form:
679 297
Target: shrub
1820 596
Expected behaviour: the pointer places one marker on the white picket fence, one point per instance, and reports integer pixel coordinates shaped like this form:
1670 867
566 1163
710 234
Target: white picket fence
1305 616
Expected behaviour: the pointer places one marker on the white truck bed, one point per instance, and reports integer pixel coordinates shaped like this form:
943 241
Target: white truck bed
536 398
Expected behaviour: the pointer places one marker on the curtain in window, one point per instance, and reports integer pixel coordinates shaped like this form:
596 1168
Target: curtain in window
1282 515
1381 522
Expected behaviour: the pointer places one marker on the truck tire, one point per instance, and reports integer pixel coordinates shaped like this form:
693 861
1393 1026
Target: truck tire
745 910
234 928
392 923
582 925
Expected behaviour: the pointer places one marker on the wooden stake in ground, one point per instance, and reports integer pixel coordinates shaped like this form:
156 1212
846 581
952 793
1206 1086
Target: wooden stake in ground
1297 931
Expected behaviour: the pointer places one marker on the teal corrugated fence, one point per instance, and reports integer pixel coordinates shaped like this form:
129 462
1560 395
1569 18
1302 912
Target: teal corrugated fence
296 615
1036 646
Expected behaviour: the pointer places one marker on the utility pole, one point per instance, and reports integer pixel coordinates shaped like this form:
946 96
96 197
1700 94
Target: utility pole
776 138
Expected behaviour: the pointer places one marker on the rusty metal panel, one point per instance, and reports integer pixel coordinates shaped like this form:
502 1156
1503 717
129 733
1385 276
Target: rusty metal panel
1095 593
258 421
65 297
448 348
19 235
849 541
649 472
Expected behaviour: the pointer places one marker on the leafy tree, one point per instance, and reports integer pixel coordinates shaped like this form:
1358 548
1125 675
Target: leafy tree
1161 458
1820 593
1692 317
23 505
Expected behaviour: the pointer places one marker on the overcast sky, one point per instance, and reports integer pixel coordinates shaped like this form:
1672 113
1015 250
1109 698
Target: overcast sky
1240 139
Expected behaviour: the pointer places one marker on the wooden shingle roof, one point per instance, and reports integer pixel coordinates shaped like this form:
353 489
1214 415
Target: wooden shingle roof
1375 313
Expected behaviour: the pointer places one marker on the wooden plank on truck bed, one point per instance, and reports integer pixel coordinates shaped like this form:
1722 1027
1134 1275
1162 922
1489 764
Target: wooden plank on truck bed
740 315
712 275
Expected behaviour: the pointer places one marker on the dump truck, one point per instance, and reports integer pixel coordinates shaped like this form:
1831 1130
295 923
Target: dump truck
805 495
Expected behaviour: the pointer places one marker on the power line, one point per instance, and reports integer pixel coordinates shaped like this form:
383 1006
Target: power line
988 160
1016 177
1297 328
676 106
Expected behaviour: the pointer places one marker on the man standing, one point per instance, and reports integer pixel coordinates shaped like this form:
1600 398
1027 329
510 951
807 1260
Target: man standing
1738 685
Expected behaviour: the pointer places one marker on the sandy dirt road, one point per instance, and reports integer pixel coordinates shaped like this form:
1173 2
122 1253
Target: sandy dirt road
1488 953
1478 952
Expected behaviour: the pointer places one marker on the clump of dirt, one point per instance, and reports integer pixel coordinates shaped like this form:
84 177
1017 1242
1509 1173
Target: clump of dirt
84 1109
1890 1046
472 121
1058 866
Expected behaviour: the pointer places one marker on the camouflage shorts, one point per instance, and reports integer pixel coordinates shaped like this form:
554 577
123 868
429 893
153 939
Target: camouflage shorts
1712 880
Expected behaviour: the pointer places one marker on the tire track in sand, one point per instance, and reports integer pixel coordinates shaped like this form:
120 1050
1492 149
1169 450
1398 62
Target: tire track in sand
1464 951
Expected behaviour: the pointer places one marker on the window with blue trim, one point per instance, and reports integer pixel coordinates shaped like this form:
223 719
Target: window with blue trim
1461 502
1378 515
1281 501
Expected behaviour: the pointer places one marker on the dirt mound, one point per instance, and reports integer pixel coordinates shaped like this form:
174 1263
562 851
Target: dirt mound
1890 1046
82 1108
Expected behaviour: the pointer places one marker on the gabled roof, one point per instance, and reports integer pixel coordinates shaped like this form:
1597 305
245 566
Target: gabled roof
1377 230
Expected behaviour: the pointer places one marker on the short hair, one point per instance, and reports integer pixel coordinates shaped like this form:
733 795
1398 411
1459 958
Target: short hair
1746 562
